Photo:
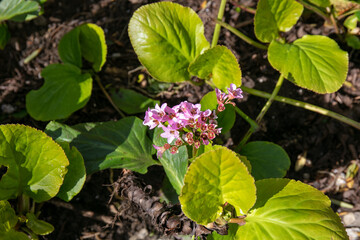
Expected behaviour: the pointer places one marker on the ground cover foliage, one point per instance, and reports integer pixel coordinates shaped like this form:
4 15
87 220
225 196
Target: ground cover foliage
323 151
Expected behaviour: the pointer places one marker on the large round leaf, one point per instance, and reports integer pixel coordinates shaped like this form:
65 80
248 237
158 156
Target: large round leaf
36 164
267 159
219 65
214 178
288 209
273 16
313 62
65 91
167 37
121 144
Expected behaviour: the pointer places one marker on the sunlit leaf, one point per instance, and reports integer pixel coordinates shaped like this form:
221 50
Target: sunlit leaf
313 62
36 164
10 9
212 179
167 37
273 16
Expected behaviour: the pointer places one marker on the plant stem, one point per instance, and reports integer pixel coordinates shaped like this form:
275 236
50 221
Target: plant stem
262 112
241 35
108 96
242 7
252 123
217 26
315 10
304 105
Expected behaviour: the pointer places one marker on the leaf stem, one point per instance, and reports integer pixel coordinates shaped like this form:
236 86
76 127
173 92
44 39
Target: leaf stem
241 35
262 112
315 10
243 7
304 105
252 123
97 79
217 26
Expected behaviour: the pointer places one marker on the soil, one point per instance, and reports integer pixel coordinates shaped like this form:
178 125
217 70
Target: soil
96 213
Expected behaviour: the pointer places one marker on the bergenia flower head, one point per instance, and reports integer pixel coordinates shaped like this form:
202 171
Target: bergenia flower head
223 98
183 124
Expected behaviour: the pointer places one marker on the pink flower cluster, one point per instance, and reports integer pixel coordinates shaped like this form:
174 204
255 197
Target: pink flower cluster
185 123
223 98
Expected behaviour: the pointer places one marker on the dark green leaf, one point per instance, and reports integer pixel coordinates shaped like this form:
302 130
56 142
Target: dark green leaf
39 227
69 48
4 35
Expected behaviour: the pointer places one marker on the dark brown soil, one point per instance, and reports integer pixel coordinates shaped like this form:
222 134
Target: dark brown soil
329 146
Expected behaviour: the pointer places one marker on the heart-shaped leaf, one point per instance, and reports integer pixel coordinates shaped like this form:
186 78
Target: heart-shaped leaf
69 48
288 209
267 159
10 9
4 35
76 175
218 65
36 164
312 62
214 178
121 144
175 165
226 118
65 91
8 218
273 16
132 102
167 37
39 227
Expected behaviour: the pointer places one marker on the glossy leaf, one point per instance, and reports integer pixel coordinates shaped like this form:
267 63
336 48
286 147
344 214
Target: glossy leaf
36 164
212 179
121 144
268 160
321 3
167 37
312 62
132 102
69 48
4 35
93 45
8 218
226 118
76 175
273 16
10 9
289 209
39 227
65 91
175 165
218 65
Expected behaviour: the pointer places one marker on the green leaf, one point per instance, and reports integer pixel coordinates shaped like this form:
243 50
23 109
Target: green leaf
4 35
312 62
76 175
268 160
36 164
230 236
65 91
226 118
10 9
121 144
273 16
93 45
212 179
352 41
8 218
69 48
175 165
351 22
218 65
288 209
39 227
321 3
167 37
132 102
12 235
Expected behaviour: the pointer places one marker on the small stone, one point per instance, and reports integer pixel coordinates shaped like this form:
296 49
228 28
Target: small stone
8 108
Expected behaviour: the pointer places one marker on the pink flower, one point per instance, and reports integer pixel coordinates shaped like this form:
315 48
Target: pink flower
150 120
220 96
234 92
170 134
